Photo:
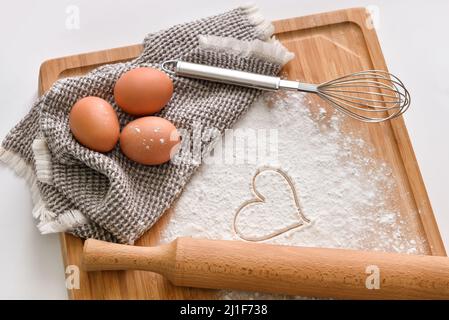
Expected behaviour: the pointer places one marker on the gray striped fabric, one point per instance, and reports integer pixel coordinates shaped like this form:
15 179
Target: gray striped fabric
107 196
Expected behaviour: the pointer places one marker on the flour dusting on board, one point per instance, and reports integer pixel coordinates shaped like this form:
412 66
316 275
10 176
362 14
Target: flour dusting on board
349 196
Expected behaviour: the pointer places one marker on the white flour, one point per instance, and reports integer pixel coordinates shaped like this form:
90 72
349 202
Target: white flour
346 192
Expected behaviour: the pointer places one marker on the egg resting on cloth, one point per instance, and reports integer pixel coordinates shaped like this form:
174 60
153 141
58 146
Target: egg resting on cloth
106 195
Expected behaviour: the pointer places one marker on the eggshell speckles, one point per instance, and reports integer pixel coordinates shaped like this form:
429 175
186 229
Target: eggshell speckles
149 140
143 91
94 124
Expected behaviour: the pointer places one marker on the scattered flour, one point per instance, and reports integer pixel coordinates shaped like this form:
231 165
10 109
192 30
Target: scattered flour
349 195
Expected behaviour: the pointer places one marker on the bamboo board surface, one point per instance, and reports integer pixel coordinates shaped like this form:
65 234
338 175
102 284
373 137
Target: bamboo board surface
326 45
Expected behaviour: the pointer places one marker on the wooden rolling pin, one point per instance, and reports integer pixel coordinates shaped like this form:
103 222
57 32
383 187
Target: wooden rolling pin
309 272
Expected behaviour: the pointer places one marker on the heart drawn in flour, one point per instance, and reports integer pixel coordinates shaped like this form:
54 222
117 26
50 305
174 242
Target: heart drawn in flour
274 210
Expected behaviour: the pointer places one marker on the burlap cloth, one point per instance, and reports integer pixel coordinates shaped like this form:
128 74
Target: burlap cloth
107 196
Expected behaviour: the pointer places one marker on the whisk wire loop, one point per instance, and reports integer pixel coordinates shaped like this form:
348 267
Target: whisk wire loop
369 96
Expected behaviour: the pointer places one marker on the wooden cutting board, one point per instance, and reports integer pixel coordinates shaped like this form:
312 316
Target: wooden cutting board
326 45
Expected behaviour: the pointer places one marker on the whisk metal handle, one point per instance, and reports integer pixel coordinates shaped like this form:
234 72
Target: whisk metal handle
228 76
235 77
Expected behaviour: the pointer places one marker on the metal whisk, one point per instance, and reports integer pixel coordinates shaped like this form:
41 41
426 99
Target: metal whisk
368 96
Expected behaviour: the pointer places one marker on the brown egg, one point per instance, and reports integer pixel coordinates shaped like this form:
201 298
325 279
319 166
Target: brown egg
94 124
143 91
149 140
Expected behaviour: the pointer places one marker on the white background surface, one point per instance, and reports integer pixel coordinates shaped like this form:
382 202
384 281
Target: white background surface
413 36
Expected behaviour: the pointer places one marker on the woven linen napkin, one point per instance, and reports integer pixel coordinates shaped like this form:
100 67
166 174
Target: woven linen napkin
106 195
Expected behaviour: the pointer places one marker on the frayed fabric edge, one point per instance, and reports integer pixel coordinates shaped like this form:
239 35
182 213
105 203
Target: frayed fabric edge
264 28
42 160
63 222
48 221
272 51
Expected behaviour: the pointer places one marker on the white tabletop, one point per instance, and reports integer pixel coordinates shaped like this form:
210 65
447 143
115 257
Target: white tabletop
413 36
